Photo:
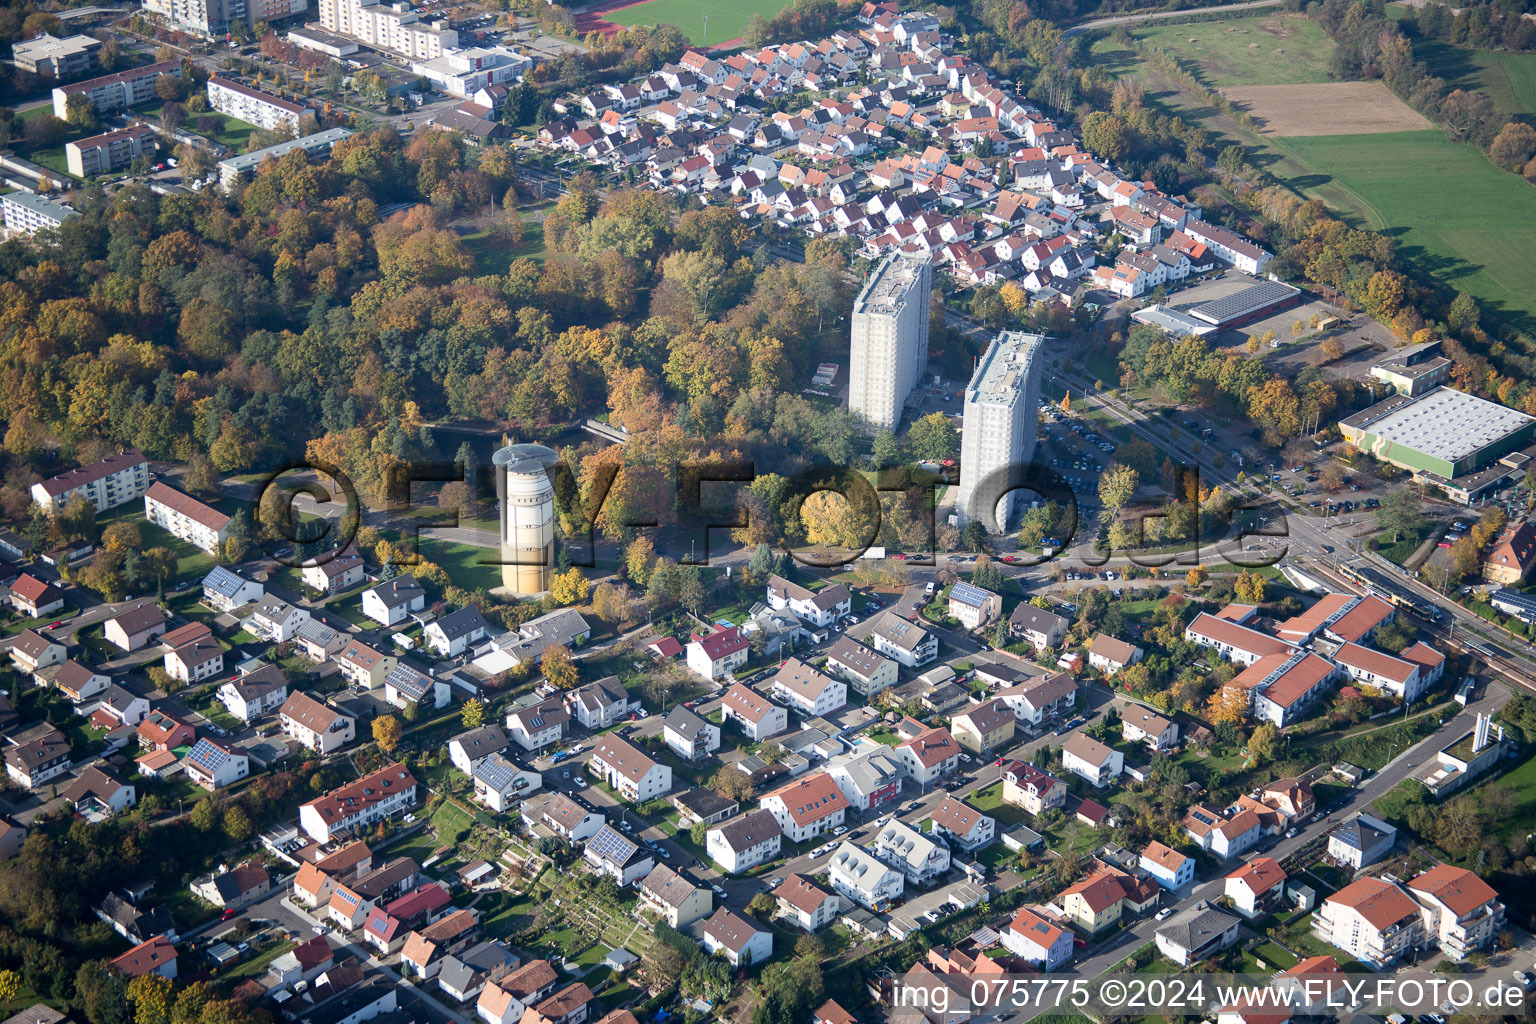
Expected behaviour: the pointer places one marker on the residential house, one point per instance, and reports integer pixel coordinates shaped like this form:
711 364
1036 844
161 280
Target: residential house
819 607
100 790
236 887
805 904
33 598
468 749
930 755
334 575
1038 701
506 999
963 824
984 727
864 879
160 731
79 682
673 898
868 780
224 590
252 694
405 686
1461 912
757 716
1224 833
717 654
1031 788
1167 866
200 525
1511 556
275 619
688 735
381 794
315 725
973 606
1109 655
1138 725
387 925
1282 686
1196 934
1037 940
1361 841
1039 628
1232 640
304 962
452 634
498 782
393 601
601 704
153 956
614 854
115 480
807 808
1256 887
907 642
1397 676
1372 920
1085 756
865 671
538 725
32 650
364 667
426 948
742 843
696 806
740 940
1099 901
464 975
213 765
922 860
194 654
806 690
627 769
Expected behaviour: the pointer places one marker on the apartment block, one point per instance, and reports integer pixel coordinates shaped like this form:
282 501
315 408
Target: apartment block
889 348
122 91
999 437
101 154
115 480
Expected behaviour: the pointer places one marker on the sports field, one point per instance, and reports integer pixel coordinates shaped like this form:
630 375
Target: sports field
1451 211
1262 50
727 18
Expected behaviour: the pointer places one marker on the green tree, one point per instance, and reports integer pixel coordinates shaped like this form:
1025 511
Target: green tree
934 438
1117 487
472 714
1107 136
1399 513
886 450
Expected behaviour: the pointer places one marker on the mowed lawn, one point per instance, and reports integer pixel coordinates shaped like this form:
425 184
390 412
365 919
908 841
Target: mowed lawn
727 18
1485 244
1264 50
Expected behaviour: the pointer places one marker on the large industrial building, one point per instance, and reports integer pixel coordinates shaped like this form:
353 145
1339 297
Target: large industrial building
527 500
999 437
889 348
1463 444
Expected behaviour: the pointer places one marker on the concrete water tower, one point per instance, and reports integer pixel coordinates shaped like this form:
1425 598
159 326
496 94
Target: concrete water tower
527 501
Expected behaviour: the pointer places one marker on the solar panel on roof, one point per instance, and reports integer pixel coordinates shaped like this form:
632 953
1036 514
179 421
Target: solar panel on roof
610 845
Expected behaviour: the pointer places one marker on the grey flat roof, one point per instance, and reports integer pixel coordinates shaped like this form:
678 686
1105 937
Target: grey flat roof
251 161
1443 424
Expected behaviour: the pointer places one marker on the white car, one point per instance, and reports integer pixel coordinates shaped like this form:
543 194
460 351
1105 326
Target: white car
1165 913
841 829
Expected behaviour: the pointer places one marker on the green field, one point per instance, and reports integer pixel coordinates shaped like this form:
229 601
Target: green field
1265 50
727 18
1485 245
1509 79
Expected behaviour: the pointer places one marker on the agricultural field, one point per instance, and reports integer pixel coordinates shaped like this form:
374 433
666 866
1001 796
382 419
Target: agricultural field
727 18
1397 181
1389 171
1327 108
1267 50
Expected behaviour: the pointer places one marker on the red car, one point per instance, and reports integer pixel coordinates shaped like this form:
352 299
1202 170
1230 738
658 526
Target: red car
229 912
1010 558
949 462
899 557
1079 942
55 625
